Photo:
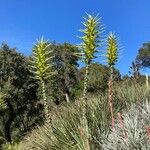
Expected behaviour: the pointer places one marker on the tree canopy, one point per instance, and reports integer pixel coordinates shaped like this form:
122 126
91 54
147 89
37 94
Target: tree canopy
143 57
19 93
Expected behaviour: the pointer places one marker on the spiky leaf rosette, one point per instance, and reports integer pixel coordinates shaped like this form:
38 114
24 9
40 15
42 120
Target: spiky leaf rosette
40 63
134 134
90 38
112 49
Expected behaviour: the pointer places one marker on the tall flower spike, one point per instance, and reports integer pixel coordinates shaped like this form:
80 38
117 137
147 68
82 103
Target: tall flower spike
90 41
90 38
41 65
112 57
112 49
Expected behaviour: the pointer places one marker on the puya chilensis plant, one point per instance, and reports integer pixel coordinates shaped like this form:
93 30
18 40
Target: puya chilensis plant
41 66
135 132
112 57
90 43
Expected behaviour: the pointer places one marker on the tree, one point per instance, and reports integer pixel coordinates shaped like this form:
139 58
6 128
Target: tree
143 57
19 93
66 63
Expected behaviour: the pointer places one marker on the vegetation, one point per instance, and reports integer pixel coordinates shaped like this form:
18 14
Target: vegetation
65 131
143 57
133 133
98 77
18 92
47 102
41 65
112 57
66 63
89 46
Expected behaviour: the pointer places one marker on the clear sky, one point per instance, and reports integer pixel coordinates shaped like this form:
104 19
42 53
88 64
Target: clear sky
23 21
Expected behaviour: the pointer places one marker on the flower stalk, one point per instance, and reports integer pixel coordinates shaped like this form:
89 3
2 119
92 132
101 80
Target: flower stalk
90 40
41 66
112 57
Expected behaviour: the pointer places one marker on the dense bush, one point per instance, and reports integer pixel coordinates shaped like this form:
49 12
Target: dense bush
18 92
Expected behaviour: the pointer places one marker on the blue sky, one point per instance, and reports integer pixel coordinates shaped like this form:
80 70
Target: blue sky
23 21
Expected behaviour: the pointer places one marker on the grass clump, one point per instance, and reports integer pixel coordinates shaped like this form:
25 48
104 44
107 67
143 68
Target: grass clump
130 92
65 131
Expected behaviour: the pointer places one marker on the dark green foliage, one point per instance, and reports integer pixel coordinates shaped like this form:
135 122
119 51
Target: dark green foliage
98 77
19 89
66 63
143 57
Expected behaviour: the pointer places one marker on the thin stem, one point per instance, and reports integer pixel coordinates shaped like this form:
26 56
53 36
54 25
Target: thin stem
85 81
46 106
84 119
110 96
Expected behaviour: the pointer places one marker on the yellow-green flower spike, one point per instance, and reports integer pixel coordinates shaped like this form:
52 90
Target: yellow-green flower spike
42 67
112 49
41 60
90 38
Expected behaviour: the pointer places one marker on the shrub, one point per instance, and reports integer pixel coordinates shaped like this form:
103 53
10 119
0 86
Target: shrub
134 135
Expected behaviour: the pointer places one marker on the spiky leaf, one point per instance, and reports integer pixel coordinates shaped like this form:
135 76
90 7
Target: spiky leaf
41 59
